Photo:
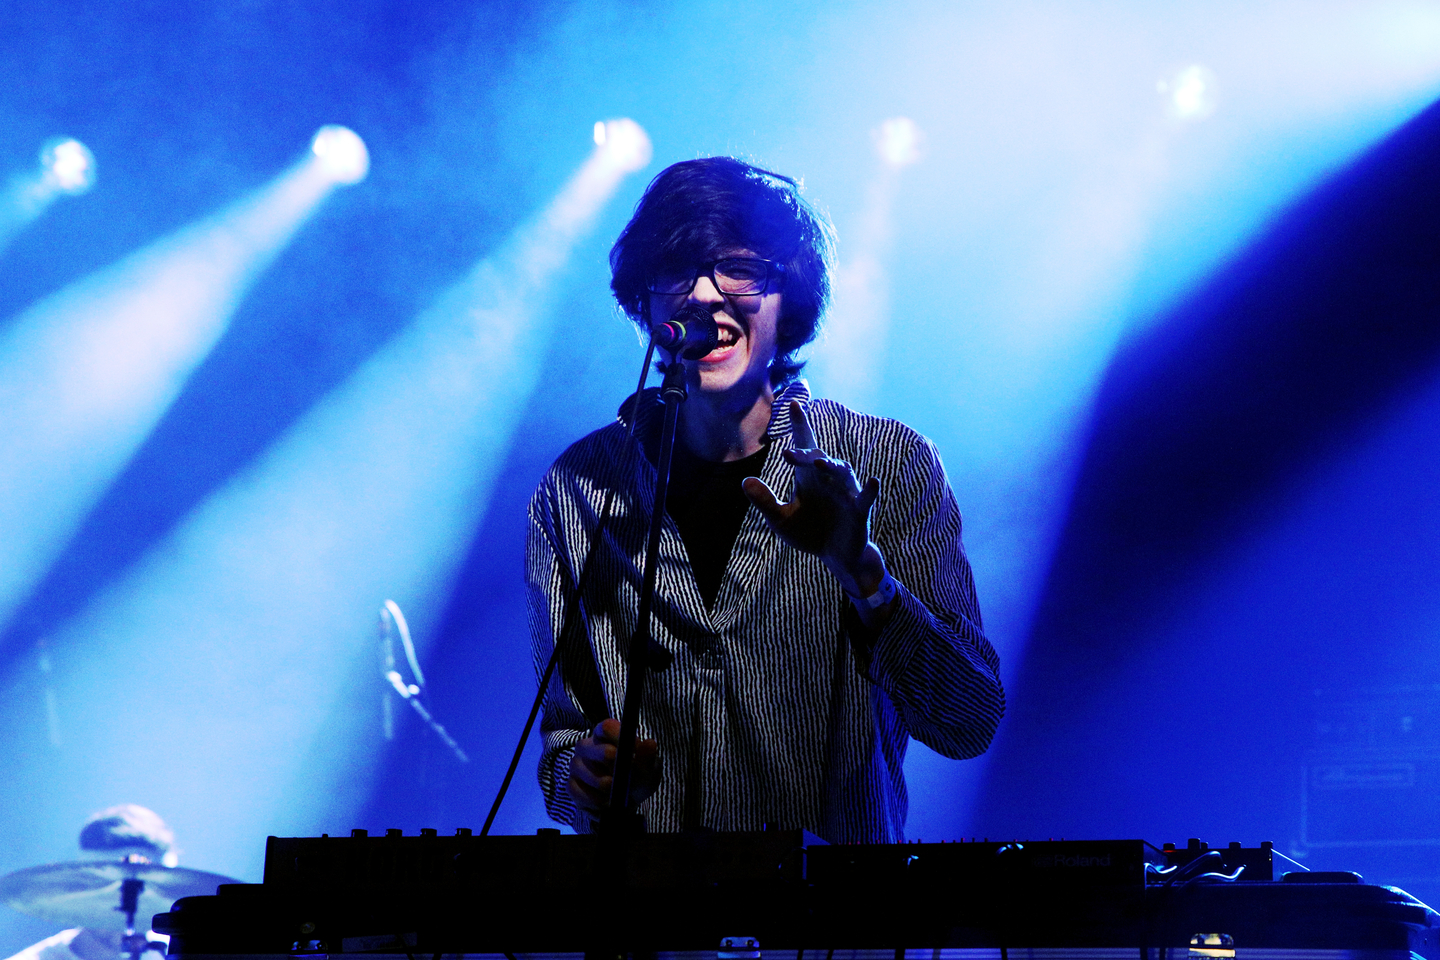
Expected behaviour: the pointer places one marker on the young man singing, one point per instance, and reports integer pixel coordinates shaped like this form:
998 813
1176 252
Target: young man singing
811 636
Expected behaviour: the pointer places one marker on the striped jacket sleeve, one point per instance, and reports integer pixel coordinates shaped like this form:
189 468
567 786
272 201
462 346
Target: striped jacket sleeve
548 582
931 658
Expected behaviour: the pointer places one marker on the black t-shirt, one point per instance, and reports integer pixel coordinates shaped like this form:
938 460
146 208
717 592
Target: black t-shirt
708 505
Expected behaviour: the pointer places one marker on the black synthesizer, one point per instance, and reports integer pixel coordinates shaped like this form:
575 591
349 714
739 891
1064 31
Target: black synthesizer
783 891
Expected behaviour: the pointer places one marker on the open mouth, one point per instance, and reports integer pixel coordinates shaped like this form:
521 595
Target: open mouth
728 338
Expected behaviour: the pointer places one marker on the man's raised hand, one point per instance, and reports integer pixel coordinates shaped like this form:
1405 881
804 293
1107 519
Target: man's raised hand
829 513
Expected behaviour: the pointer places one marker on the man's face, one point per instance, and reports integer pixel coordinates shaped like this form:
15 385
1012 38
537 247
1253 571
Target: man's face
747 325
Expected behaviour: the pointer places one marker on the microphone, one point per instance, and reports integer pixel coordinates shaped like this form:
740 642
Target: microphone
691 332
393 625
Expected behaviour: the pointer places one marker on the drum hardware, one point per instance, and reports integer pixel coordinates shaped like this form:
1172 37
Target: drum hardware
106 895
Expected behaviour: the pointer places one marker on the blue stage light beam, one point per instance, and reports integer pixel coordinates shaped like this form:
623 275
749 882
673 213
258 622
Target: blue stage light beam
86 373
848 363
254 622
67 168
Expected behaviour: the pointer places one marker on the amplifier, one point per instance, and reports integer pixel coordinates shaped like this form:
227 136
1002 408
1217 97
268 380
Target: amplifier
1372 774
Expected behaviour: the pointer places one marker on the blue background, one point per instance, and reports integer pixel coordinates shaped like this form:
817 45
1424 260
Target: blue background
1182 372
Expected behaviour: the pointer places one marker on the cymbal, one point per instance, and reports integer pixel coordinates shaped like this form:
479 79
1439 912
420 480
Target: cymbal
86 893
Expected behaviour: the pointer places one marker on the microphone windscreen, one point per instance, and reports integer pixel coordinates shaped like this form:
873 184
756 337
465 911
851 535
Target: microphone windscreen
691 332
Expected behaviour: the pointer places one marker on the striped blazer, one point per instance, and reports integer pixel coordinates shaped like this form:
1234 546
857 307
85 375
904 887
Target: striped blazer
778 707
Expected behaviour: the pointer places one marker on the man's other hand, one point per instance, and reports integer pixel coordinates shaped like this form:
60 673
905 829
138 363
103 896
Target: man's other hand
592 769
829 513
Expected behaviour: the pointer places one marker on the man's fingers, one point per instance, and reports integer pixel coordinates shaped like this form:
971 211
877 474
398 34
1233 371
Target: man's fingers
586 796
592 752
596 760
598 779
592 769
762 496
804 438
869 495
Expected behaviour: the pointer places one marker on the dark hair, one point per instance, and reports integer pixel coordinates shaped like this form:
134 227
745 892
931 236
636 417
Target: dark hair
699 210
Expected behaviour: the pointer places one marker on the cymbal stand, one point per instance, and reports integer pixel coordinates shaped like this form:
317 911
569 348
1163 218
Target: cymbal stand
134 943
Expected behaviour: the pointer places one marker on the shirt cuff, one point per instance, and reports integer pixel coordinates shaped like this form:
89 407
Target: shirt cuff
883 594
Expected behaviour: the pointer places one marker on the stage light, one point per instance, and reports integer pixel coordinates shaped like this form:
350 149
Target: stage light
846 364
624 144
69 166
342 154
899 142
373 493
66 167
86 373
1191 93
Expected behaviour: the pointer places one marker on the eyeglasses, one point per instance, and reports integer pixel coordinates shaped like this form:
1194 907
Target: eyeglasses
732 276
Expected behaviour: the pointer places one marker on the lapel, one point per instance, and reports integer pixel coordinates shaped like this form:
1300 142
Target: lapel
756 548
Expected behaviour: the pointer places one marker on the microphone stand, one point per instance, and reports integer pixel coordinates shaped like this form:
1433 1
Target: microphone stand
619 820
619 825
